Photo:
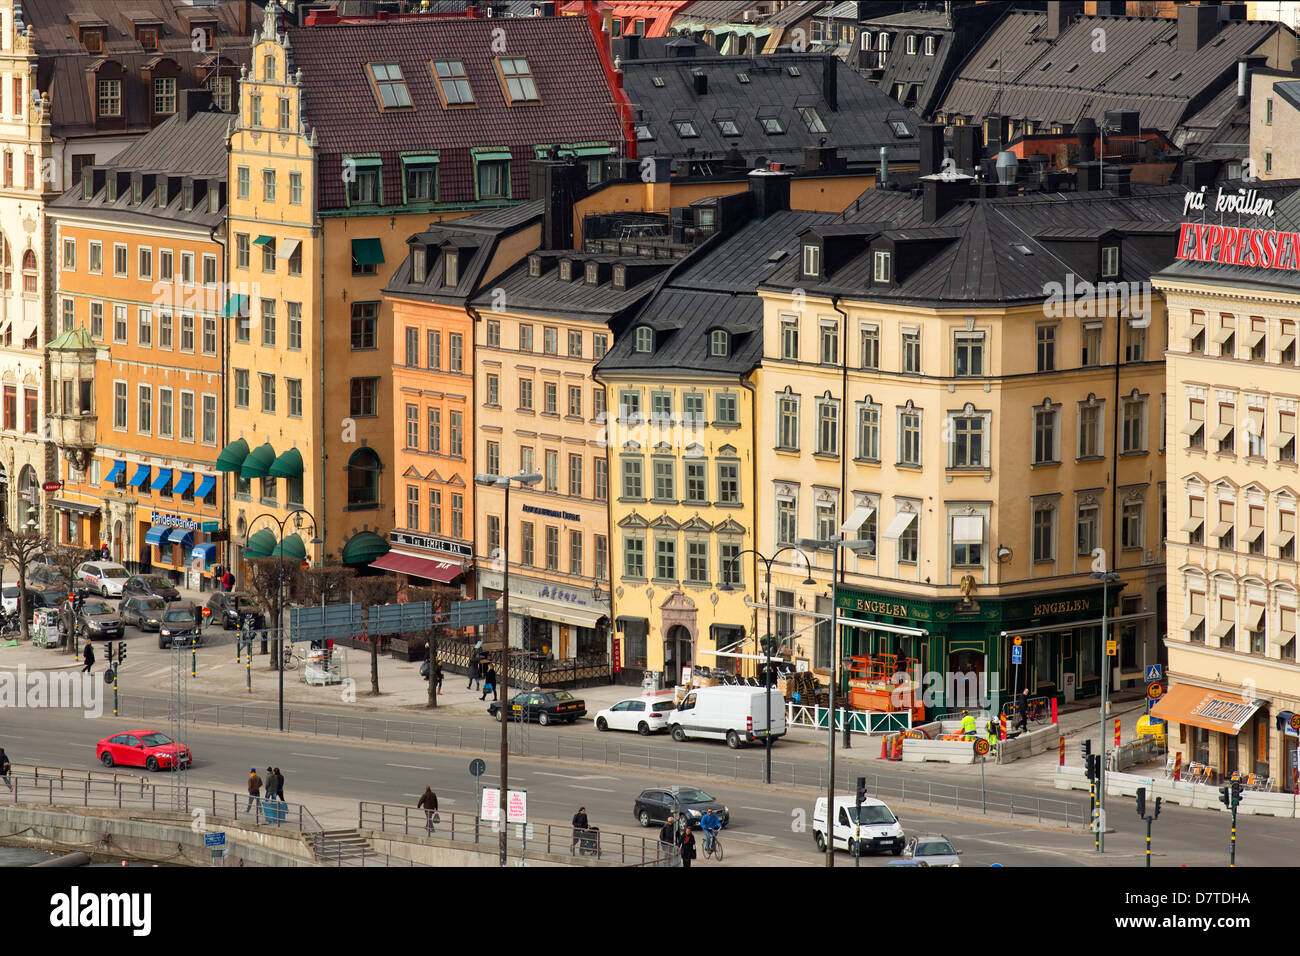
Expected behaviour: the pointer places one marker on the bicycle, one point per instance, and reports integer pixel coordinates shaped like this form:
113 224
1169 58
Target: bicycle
290 657
713 848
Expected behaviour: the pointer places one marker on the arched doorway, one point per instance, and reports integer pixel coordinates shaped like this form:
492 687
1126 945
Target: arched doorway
28 499
117 542
678 650
965 677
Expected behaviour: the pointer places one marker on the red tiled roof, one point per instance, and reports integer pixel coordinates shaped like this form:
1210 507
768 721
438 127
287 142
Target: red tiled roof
577 101
657 14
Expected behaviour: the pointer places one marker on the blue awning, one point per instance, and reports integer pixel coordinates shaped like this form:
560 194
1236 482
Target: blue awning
140 477
156 534
183 483
182 536
207 551
205 486
163 480
117 469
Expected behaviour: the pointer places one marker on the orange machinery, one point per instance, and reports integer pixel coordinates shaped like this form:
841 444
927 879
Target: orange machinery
883 682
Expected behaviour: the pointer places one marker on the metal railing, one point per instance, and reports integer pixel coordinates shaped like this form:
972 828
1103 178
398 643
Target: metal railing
616 848
860 722
333 852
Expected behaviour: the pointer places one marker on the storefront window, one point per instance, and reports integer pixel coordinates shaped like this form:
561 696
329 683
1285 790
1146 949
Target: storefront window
634 637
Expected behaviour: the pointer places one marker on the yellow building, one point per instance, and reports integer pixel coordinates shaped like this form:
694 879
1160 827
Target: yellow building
1233 579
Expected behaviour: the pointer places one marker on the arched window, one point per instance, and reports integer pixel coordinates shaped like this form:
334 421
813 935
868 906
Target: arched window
6 265
363 479
29 272
645 339
28 497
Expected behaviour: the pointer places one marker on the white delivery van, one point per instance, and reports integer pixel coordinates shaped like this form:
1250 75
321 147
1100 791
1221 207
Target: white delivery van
880 828
734 714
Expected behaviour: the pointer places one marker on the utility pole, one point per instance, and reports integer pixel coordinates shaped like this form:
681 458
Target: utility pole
1230 797
1142 812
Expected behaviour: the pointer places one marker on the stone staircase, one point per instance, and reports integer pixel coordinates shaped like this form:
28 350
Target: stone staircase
344 848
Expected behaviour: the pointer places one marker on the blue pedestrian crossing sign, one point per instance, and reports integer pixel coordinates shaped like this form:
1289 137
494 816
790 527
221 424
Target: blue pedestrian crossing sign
1016 654
1154 672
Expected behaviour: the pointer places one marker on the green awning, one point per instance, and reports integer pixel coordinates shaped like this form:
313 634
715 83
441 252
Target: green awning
232 456
367 252
263 240
288 465
258 463
363 161
419 159
235 305
363 548
260 544
290 548
489 155
598 150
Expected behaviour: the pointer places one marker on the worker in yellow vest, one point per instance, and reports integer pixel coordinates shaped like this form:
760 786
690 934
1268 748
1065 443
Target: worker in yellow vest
967 725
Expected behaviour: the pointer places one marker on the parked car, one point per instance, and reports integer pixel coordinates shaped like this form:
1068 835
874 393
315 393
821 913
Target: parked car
737 715
46 597
932 850
99 620
9 598
229 608
880 829
146 585
145 613
177 624
106 578
658 803
645 715
142 748
46 575
543 706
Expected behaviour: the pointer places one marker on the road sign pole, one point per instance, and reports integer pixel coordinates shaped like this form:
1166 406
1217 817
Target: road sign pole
1148 843
1232 846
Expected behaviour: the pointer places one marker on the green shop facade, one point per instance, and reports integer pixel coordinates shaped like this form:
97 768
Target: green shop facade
1061 643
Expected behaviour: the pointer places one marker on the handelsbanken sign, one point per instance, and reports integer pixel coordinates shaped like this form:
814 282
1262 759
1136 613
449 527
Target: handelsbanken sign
1239 246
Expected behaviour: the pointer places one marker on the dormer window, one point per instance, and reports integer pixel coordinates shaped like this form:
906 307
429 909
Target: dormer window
644 133
137 191
87 184
719 343
534 266
812 260
452 268
109 98
705 217
214 197
930 45
566 270
1109 261
772 125
453 84
728 127
517 76
148 37
93 40
911 44
187 196
884 262
593 273
419 264
620 277
164 95
812 119
645 339
686 129
110 188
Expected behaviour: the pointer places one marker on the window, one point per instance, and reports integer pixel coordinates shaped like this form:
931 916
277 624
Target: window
493 391
1090 429
661 406
268 322
119 406
364 397
812 259
663 480
728 483
452 83
724 406
828 427
909 436
1047 348
870 346
912 351
390 85
68 307
967 440
685 129
525 338
1045 431
525 395
109 98
830 343
790 338
164 94
633 557
969 354
165 412
787 523
1225 338
1225 433
1225 530
729 564
599 345
492 178
222 88
910 44
1109 262
632 477
645 339
144 410
119 324
365 322
96 264
1087 530
929 45
696 491
967 541
187 333
187 267
598 404
187 416
666 559
518 79
527 552
719 343
1091 345
210 419
868 431
268 392
164 331
601 483
365 185
1132 522
787 414
552 548
268 185
1044 532
1284 440
1194 428
1135 347
1133 434
241 251
812 119
412 346
97 320
421 183
882 266
241 388
575 475
697 562
1253 535
575 552
772 125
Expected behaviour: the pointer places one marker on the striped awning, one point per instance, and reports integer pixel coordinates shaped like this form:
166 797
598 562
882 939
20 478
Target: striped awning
156 534
183 483
205 486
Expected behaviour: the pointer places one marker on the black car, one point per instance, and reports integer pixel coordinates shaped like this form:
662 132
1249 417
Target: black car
99 620
45 576
658 803
150 585
230 607
177 624
145 612
543 706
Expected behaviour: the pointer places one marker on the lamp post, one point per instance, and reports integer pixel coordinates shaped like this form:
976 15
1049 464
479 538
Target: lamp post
1106 578
767 643
489 480
281 524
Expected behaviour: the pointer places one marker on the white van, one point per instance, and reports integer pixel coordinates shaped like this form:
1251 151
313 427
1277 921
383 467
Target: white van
734 714
880 828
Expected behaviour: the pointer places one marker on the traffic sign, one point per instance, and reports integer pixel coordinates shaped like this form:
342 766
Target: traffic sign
477 767
1155 690
981 747
1112 648
1154 672
52 485
1295 721
1017 640
214 839
1017 654
209 526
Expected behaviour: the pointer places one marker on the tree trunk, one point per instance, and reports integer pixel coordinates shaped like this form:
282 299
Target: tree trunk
433 672
25 631
374 660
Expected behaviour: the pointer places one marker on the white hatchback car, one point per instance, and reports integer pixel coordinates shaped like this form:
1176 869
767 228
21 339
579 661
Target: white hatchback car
645 715
104 577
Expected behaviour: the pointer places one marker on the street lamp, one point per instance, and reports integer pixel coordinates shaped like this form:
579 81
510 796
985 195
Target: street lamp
503 482
816 544
283 523
1106 578
767 643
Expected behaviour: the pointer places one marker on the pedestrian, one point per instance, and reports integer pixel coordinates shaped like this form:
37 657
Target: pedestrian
103 551
270 784
228 580
429 803
279 784
473 669
668 837
437 673
1023 722
89 658
687 847
489 684
254 790
580 826
4 768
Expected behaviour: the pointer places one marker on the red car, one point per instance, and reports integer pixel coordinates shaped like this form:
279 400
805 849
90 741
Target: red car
142 748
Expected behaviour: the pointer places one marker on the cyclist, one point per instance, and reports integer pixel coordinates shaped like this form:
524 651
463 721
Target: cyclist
710 824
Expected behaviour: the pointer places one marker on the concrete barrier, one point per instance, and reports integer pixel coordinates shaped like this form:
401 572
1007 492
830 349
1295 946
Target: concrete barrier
1026 745
1181 793
941 751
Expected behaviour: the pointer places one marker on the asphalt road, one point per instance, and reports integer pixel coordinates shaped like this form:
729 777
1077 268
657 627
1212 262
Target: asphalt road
769 824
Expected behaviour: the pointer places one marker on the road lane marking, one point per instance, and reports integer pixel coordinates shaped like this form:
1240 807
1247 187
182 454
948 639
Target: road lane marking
406 766
764 810
315 756
359 779
597 789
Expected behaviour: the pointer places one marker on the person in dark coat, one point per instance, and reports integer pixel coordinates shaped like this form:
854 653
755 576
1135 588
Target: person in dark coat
668 837
279 784
489 684
580 826
437 674
89 657
429 804
687 847
1023 719
270 784
474 675
4 768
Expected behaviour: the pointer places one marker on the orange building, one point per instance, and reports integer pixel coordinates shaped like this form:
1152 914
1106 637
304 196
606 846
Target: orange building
141 268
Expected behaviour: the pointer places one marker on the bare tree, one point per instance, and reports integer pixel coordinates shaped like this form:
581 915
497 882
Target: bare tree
19 549
325 585
369 591
66 560
441 598
262 577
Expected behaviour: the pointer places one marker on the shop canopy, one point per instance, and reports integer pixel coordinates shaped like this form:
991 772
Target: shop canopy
205 486
367 252
233 455
419 566
156 534
287 465
183 483
258 463
140 477
1215 710
260 544
182 536
291 549
163 480
364 548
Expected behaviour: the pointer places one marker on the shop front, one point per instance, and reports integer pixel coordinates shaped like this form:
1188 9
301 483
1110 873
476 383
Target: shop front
424 560
176 546
79 523
1221 730
549 620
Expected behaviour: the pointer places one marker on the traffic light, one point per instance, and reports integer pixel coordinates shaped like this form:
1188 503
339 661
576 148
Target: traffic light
108 651
1156 815
1087 768
121 651
1096 767
1142 801
1236 794
862 790
1224 797
1085 749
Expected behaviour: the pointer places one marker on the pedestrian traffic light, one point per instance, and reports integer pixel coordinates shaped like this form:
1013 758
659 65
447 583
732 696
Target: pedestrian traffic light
1156 815
1224 797
121 651
108 651
1236 794
1085 750
1142 801
862 790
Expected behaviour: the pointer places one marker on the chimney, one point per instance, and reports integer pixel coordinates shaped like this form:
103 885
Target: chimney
1060 14
544 9
197 101
700 80
830 82
1243 83
966 148
1087 177
1112 8
246 17
931 147
1006 165
993 132
864 11
938 195
1086 131
1196 25
559 185
771 191
1118 178
631 47
680 47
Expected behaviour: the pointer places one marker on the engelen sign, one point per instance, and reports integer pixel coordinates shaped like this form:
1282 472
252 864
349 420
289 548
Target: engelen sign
1239 246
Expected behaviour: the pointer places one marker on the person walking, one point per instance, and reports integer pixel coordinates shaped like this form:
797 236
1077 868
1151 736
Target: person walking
429 804
489 684
89 658
1023 720
687 847
473 670
580 826
270 784
4 768
279 785
668 837
254 790
437 674
228 581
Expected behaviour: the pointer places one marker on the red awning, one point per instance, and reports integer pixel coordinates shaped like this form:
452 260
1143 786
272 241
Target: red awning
403 562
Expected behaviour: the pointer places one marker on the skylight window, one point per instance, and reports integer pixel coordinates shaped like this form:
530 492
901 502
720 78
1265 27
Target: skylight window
728 127
1021 248
812 119
518 76
1071 68
657 81
772 126
391 85
685 129
742 77
644 132
900 129
1175 75
453 83
792 70
1152 73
